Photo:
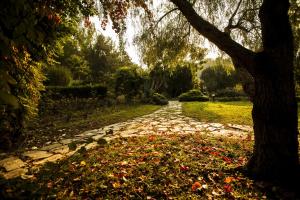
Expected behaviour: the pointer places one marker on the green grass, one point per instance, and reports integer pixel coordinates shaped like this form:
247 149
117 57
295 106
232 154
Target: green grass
110 115
149 167
71 122
237 112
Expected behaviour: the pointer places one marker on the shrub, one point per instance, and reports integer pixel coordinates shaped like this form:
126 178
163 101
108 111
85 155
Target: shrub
159 99
84 91
225 99
193 95
229 92
58 76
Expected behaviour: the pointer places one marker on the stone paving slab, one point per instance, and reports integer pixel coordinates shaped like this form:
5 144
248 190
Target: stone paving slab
36 155
12 163
52 146
53 158
61 150
15 173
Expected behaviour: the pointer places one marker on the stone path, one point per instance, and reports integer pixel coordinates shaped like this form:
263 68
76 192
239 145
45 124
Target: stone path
167 120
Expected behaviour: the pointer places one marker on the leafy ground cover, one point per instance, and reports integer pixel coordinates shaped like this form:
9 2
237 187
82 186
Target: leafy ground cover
68 122
150 167
236 112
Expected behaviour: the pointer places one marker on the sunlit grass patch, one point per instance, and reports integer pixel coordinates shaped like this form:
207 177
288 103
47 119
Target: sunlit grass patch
237 112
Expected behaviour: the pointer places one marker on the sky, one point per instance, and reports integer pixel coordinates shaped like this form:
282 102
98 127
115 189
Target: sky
130 47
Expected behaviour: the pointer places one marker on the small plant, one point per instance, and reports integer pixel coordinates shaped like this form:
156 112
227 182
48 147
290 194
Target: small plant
193 95
89 140
102 142
82 150
72 146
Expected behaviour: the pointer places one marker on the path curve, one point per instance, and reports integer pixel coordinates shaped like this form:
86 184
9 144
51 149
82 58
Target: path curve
167 120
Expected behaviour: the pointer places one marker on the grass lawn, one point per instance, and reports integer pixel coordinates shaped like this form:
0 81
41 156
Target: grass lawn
149 167
236 112
70 122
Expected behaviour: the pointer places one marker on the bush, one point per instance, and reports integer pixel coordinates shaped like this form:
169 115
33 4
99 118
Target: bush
225 99
86 91
229 92
58 76
193 95
159 99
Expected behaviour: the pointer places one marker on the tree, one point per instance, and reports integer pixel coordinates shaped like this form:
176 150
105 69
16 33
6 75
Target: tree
295 21
180 81
28 30
102 56
159 77
128 82
274 114
217 77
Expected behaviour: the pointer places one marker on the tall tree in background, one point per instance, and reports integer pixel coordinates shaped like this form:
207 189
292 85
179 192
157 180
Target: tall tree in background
265 26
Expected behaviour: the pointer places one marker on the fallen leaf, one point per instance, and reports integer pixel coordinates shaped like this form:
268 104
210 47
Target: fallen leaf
123 163
83 163
228 179
215 193
116 185
227 160
227 188
184 168
195 186
205 186
151 138
49 185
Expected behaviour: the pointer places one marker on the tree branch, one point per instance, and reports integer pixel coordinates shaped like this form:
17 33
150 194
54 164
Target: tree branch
230 25
167 13
237 52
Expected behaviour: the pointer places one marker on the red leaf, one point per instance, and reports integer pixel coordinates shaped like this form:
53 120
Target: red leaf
195 186
227 188
184 168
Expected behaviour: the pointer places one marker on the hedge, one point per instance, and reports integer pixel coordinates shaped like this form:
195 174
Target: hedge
85 91
193 95
225 99
229 92
159 99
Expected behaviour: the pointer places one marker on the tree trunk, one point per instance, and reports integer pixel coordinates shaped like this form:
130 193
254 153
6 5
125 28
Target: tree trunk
275 127
274 111
274 104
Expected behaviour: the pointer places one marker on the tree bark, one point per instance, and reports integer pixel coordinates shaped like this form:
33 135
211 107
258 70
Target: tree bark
274 105
274 113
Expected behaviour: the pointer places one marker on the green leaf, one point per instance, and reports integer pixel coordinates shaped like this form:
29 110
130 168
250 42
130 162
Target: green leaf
9 99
